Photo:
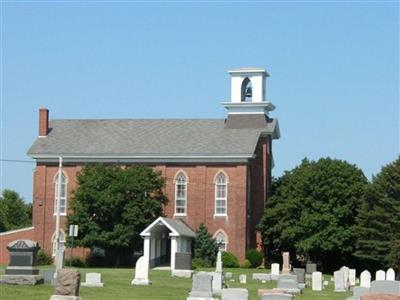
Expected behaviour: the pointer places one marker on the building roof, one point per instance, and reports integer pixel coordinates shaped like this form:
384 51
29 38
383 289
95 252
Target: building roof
176 226
147 139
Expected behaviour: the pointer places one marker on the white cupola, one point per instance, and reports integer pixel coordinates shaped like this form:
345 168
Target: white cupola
248 92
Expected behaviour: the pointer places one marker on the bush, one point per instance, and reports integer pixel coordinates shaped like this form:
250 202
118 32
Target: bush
246 264
43 258
97 258
200 263
205 247
75 262
255 258
229 260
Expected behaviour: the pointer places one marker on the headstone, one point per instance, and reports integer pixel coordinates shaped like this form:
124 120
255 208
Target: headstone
346 272
274 271
228 275
390 274
201 287
262 276
286 263
22 268
301 275
93 280
311 268
288 284
216 282
358 291
380 275
218 264
379 296
340 285
48 276
234 294
277 296
365 279
67 285
326 282
182 273
243 278
59 259
317 281
385 287
352 277
183 261
141 272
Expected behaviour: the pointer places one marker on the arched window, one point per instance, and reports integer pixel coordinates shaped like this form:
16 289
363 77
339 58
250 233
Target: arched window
62 241
247 90
222 241
221 194
180 194
63 195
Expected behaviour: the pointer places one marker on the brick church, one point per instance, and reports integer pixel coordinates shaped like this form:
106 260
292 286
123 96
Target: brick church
217 171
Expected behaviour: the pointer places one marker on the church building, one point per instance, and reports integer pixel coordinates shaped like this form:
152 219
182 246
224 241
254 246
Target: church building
217 171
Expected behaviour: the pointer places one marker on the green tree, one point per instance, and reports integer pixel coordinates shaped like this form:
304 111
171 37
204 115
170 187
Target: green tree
112 205
379 220
205 247
14 212
312 212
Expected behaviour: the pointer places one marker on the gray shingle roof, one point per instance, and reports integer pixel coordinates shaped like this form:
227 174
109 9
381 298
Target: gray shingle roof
146 138
180 227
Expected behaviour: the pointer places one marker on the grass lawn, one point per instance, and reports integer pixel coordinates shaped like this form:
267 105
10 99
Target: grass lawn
117 286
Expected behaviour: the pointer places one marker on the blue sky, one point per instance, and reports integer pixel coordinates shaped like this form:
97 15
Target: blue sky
334 71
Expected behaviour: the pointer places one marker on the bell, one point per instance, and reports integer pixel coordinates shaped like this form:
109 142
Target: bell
248 93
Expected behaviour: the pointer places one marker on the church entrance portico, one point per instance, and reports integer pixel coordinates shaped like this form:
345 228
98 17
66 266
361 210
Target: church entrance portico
163 239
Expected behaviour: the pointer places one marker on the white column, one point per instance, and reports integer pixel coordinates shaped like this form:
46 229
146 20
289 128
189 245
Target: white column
174 247
146 248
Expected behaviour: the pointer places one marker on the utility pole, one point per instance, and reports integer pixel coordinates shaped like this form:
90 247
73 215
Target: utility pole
59 254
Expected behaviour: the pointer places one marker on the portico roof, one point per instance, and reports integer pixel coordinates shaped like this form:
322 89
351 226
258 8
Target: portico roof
176 226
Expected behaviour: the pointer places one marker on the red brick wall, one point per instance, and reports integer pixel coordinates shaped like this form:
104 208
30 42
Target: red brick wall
8 237
243 199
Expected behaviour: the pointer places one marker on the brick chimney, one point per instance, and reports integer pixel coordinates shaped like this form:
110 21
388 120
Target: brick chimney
43 122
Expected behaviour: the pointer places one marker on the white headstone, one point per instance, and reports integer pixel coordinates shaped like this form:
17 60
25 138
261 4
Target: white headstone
340 285
275 269
141 272
390 275
243 278
216 282
352 277
218 265
326 282
380 275
93 280
316 281
365 279
346 272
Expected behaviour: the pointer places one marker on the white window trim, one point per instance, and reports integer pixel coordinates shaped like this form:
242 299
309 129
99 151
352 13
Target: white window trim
65 197
226 196
176 193
220 231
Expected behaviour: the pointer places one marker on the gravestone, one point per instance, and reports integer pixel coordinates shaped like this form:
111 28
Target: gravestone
243 278
48 276
390 274
141 272
262 276
276 296
311 268
288 284
201 287
216 282
182 273
340 285
67 285
365 279
352 277
385 287
274 271
93 280
380 275
326 282
346 272
286 263
358 291
228 275
22 268
379 296
316 281
301 275
234 294
183 261
218 265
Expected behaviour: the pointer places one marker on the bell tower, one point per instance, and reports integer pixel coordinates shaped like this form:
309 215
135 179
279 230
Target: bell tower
248 92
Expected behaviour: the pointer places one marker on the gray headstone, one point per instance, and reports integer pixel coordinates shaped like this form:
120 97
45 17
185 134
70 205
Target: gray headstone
201 285
385 286
235 294
262 276
277 297
183 261
67 283
311 268
228 275
358 291
288 284
301 275
48 276
216 282
22 258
